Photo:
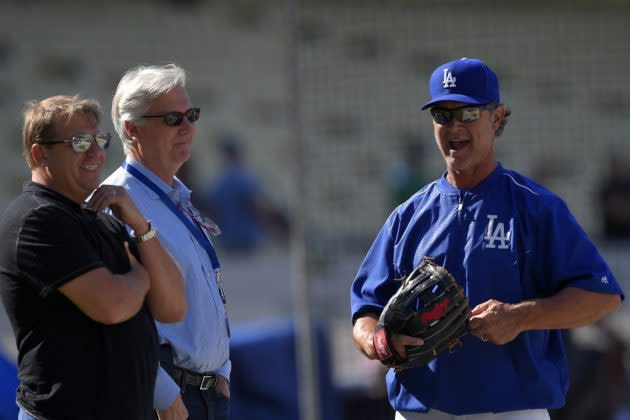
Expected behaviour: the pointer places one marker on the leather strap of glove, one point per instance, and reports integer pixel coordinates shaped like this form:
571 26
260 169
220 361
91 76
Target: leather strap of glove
384 350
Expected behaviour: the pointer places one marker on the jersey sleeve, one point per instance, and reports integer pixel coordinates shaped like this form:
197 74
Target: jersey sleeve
573 260
53 249
373 284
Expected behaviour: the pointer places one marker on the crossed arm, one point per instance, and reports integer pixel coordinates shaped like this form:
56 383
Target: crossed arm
112 298
106 297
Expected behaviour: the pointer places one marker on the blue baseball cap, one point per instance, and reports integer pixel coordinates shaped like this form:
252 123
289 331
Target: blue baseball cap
467 80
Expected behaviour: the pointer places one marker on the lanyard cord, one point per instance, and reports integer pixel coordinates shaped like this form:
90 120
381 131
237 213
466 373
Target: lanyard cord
193 228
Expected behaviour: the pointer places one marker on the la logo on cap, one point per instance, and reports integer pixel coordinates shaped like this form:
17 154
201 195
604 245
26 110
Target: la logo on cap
449 80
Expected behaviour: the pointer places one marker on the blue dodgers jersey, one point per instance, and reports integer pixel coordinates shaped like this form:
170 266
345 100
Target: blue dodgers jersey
507 239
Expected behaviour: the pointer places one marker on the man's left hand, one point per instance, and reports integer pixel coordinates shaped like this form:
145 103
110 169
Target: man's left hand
495 321
223 387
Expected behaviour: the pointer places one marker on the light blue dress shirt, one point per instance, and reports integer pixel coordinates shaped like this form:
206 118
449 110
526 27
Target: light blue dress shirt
201 340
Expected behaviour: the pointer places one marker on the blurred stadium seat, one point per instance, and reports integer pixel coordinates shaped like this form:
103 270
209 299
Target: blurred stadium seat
8 385
264 382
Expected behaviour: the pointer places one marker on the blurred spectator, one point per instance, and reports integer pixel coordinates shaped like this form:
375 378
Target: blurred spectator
550 168
408 174
599 382
236 202
614 196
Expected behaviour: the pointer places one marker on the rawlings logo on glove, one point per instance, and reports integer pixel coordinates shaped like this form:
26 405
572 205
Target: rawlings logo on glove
380 345
436 313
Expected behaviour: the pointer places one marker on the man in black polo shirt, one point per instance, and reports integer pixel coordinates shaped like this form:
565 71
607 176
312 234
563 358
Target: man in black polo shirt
80 303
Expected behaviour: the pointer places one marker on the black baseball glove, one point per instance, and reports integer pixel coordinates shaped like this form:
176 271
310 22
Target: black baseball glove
429 304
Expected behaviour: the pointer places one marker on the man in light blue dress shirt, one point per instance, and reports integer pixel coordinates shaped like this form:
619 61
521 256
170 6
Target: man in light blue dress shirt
155 120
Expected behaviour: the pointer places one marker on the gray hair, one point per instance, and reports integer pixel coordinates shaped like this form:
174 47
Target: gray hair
492 107
504 121
137 89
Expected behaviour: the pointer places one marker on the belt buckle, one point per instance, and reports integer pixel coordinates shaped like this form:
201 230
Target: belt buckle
208 382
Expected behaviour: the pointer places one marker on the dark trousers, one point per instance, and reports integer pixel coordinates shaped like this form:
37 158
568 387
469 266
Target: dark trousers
205 405
201 405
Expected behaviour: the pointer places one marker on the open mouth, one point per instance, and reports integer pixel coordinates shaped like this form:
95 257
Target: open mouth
458 145
89 167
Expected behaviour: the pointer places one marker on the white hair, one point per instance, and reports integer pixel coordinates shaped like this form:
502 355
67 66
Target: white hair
136 90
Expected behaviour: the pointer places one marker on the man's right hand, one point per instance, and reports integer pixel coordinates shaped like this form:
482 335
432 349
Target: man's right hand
363 333
118 200
177 411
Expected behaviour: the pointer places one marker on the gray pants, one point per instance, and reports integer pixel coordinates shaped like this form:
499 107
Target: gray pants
509 415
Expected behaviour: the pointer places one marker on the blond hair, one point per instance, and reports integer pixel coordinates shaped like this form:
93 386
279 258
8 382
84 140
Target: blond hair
40 118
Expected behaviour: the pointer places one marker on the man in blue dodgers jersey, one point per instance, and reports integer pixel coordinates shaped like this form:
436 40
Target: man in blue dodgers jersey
527 267
154 118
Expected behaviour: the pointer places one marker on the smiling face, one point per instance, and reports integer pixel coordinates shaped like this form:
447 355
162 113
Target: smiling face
468 148
161 148
72 174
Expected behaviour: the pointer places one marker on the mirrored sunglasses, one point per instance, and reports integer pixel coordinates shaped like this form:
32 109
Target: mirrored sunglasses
465 115
83 142
175 118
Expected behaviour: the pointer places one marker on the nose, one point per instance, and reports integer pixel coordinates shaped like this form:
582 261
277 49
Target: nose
454 122
94 147
454 129
186 124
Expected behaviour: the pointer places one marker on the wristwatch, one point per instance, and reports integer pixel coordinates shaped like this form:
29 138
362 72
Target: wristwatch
150 234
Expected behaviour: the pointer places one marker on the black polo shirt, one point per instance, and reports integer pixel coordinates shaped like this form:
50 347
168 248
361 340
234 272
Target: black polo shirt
70 366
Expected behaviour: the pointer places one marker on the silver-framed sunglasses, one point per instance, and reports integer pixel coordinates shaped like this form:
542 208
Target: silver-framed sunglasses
465 115
83 142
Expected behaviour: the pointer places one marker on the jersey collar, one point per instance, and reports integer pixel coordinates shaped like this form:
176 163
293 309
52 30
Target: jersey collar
486 185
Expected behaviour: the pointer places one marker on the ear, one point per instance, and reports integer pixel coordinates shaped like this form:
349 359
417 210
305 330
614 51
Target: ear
39 152
131 130
497 117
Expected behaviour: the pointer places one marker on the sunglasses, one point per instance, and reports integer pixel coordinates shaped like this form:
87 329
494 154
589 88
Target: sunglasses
83 142
173 119
465 115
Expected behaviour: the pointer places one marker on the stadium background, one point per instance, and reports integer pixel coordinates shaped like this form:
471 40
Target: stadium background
361 69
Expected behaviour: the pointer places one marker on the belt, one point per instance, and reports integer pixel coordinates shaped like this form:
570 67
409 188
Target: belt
199 381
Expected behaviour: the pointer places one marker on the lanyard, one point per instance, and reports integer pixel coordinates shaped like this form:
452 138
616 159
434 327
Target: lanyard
194 229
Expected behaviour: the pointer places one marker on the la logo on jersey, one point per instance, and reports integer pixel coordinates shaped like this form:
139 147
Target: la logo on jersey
497 237
449 80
